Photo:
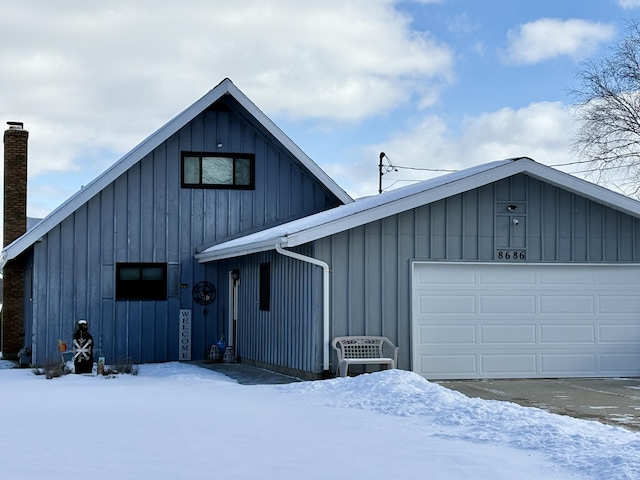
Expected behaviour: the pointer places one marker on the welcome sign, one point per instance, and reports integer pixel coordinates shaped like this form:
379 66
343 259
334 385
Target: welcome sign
184 348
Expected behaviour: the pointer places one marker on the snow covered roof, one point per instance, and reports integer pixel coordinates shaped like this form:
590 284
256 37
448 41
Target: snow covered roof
226 87
374 208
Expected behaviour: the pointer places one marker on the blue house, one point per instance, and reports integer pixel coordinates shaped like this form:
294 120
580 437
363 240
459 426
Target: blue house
120 252
217 225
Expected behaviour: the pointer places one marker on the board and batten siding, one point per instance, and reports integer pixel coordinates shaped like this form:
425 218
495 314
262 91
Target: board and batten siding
145 216
287 337
370 264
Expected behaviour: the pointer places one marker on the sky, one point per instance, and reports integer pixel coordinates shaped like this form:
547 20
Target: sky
176 420
435 84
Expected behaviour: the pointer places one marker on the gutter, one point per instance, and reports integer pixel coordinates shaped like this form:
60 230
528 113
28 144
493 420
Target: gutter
325 298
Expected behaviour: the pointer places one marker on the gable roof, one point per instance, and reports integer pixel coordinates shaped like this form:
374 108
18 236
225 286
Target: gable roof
226 87
374 208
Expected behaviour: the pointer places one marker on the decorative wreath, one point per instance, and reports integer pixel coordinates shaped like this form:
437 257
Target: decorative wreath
204 293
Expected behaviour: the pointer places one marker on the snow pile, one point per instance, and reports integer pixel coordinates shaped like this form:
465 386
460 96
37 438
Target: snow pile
6 363
583 446
181 421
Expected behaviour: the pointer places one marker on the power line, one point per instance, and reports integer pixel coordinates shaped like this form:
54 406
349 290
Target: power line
577 162
383 169
426 169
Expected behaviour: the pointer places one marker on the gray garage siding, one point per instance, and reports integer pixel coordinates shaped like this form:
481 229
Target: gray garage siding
371 291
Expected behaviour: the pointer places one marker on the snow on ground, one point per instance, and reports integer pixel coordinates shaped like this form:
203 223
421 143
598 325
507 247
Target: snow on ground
175 421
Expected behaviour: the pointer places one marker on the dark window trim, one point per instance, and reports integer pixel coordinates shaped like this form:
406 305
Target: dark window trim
141 289
218 186
265 286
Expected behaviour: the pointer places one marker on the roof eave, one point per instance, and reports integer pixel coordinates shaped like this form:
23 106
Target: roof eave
290 144
397 206
476 180
238 251
115 170
525 165
586 189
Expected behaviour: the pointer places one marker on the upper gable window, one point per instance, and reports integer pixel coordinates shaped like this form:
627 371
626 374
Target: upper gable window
217 170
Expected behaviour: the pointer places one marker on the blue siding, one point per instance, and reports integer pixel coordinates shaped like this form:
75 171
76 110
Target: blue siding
287 337
144 216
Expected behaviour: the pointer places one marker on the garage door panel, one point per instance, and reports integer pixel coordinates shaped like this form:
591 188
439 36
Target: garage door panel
563 275
566 304
618 304
624 277
448 304
440 334
500 364
560 364
567 334
619 333
451 366
614 363
507 334
521 278
447 278
525 320
507 305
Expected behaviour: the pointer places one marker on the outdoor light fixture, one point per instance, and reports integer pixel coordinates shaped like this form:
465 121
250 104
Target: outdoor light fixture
235 274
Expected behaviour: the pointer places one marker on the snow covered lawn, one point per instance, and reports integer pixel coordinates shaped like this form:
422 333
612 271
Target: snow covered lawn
179 421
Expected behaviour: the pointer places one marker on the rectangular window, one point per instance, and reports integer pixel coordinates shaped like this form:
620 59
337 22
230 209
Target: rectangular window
217 170
141 281
265 286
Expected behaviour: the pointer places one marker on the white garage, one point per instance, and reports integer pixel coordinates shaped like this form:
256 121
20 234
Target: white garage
517 320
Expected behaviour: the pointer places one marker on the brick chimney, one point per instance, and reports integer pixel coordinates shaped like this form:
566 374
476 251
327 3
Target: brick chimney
15 224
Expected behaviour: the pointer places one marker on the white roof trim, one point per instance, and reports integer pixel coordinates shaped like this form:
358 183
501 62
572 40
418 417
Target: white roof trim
74 202
375 208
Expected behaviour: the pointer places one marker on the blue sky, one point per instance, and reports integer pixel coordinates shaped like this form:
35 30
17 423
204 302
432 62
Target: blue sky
436 85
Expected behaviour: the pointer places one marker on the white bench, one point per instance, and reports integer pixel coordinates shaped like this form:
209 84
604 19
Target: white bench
363 350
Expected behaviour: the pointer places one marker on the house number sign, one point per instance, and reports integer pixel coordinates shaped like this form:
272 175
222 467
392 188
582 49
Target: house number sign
511 255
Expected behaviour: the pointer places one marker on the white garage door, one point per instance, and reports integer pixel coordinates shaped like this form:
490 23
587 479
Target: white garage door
473 320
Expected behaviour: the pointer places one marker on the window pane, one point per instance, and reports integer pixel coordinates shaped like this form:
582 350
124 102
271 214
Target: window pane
191 173
152 273
141 281
243 171
129 273
217 170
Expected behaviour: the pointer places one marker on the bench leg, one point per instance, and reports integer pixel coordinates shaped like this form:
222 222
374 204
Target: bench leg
342 369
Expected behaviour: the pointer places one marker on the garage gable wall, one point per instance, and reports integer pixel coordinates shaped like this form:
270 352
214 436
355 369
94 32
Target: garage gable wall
371 291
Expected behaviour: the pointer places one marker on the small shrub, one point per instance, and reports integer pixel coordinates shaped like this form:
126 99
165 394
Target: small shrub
52 369
125 366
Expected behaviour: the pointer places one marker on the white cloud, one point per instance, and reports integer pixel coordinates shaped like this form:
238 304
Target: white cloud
628 4
542 131
75 71
549 38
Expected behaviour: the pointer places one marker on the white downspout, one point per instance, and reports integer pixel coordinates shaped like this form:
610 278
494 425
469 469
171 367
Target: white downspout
325 298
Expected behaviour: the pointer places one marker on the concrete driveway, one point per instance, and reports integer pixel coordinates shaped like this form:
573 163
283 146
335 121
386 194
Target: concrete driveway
615 401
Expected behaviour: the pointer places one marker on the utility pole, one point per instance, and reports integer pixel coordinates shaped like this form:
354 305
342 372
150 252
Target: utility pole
382 155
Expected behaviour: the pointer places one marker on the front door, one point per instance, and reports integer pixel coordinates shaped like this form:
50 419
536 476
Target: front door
232 327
